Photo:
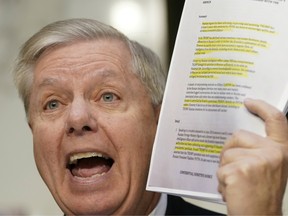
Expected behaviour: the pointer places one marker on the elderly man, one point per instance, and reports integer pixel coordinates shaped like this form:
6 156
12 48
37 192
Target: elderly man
92 99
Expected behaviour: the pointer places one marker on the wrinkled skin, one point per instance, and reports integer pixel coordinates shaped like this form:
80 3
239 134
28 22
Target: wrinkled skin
85 98
253 169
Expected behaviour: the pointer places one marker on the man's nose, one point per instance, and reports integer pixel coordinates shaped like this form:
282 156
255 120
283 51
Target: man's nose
80 119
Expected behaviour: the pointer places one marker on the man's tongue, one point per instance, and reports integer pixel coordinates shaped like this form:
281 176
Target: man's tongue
88 167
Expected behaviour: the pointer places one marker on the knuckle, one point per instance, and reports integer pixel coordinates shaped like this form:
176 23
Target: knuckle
261 164
224 155
270 160
277 116
246 169
222 175
279 155
236 136
227 177
219 174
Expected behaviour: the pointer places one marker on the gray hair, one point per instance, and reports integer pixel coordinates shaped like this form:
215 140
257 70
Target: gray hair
146 63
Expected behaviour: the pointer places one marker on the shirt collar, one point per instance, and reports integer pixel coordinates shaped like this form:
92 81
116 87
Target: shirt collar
160 208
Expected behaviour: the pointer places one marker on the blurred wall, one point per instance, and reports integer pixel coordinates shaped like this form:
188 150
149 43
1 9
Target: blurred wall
21 189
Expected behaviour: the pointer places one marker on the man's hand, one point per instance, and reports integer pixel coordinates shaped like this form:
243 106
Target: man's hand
253 169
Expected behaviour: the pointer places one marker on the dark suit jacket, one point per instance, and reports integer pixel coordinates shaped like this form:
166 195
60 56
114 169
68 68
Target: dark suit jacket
178 206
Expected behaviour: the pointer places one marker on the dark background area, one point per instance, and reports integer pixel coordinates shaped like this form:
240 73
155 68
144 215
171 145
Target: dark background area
174 11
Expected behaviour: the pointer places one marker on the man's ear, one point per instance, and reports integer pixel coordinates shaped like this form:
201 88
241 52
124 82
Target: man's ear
30 124
157 112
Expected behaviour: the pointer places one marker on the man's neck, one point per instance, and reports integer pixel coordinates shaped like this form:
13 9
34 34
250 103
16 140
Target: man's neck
161 206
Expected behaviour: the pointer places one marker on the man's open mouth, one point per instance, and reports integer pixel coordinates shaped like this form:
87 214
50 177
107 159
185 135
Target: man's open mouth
89 164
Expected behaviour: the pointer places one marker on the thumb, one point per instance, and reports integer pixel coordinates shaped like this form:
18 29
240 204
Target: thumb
275 121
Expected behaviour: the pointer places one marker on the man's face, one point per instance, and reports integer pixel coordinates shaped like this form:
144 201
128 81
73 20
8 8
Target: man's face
93 128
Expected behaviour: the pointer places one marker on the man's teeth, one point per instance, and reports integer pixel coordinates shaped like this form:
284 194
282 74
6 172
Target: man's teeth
74 158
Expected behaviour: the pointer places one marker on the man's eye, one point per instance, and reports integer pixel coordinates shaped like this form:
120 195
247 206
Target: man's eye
53 104
109 97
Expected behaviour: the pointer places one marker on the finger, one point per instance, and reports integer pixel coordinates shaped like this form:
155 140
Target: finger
243 139
228 176
235 154
233 174
221 190
275 121
270 157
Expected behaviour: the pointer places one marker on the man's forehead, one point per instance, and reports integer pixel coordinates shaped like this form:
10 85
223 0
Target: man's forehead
82 57
55 79
89 46
79 51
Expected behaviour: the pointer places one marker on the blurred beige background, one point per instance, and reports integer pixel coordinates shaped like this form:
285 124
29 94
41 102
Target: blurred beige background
21 189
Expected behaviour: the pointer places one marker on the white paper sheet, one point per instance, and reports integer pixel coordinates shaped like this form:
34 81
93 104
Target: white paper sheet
225 51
